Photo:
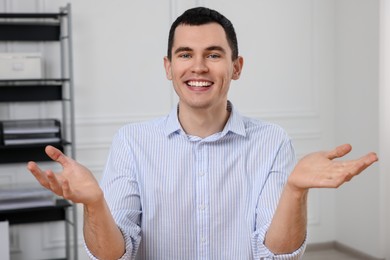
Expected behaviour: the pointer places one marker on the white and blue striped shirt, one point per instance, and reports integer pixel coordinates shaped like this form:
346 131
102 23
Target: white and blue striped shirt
181 197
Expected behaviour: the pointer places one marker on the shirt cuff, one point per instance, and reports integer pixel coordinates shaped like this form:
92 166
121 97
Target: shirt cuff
260 251
126 256
296 255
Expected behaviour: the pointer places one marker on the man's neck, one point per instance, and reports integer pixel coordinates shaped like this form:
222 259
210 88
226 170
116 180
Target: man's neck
203 122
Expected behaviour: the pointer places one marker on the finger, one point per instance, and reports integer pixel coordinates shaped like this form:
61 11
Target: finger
38 174
350 169
363 163
54 183
371 158
66 189
56 155
339 151
33 167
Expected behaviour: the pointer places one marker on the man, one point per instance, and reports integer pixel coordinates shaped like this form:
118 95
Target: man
203 182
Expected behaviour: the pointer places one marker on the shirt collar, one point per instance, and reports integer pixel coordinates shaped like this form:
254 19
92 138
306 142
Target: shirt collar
235 123
172 122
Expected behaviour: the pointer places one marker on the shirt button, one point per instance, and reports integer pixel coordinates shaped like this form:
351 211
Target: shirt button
202 206
203 240
201 174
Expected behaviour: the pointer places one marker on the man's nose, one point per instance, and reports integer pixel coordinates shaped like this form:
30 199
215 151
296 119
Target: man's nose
199 65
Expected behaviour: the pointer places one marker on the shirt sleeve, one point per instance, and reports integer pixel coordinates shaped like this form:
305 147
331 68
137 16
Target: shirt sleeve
268 200
126 256
121 192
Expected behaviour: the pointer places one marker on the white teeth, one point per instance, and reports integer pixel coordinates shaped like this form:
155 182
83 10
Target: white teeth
199 83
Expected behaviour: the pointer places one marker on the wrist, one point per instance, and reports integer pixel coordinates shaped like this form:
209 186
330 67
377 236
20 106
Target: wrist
295 192
97 204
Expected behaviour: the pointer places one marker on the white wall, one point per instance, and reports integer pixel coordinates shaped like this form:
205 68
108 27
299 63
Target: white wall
357 207
296 74
384 124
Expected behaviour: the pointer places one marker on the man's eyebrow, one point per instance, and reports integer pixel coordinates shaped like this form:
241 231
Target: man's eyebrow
181 49
210 48
216 48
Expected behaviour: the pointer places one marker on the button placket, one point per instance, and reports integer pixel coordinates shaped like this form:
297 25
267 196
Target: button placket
202 200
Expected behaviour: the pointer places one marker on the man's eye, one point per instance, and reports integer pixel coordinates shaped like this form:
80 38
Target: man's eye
185 55
214 56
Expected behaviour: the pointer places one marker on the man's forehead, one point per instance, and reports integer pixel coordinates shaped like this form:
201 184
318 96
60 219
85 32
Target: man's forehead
207 34
183 28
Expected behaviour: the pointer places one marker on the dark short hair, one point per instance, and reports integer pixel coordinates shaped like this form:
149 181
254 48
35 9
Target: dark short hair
201 16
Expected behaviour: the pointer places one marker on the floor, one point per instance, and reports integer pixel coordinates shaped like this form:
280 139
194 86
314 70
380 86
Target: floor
328 254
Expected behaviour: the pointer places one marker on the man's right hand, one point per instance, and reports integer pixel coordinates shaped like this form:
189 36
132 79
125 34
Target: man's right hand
75 182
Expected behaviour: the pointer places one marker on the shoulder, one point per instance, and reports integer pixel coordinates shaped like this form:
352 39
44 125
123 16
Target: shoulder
264 129
270 137
152 127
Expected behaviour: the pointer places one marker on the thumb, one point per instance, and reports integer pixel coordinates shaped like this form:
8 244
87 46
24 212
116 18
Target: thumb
56 155
339 151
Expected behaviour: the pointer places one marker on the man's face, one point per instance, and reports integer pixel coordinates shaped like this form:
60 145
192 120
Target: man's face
201 66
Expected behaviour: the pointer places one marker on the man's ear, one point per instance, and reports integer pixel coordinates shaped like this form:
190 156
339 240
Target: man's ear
237 67
167 66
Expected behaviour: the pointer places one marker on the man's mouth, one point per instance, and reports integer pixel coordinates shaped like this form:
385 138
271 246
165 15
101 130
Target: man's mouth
198 84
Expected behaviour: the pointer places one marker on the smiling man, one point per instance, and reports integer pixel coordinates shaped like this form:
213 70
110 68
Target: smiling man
203 182
201 66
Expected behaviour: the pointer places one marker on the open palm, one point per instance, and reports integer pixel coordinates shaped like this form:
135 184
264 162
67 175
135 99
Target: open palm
321 170
75 182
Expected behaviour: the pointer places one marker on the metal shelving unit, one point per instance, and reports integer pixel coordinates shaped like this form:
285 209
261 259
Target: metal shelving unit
42 28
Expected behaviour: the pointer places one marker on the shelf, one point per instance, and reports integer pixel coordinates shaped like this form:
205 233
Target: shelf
5 81
20 27
29 32
36 214
31 15
25 153
30 93
31 90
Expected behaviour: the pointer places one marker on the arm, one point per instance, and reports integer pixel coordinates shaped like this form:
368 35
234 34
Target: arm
287 231
102 236
76 183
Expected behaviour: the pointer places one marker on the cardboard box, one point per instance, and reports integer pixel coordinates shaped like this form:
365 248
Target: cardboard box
14 66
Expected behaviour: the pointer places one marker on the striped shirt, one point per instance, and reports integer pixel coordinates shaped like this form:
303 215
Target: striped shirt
176 196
